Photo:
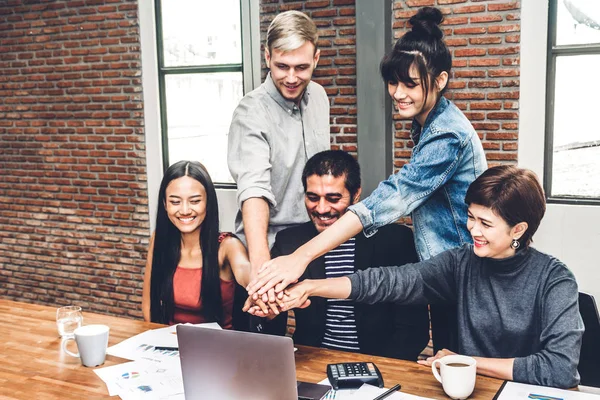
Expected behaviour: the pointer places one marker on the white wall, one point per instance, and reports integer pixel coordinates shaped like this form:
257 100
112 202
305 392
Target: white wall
227 209
154 169
568 232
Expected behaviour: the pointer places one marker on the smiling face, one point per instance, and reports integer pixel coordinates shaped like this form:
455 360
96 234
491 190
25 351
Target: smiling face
292 70
409 99
491 234
327 199
185 203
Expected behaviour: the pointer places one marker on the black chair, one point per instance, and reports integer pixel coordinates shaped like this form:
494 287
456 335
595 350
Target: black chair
589 361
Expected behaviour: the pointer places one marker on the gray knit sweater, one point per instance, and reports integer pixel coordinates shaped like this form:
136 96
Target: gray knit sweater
523 307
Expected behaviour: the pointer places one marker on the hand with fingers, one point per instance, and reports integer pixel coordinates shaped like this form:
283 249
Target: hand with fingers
274 276
296 296
439 354
260 308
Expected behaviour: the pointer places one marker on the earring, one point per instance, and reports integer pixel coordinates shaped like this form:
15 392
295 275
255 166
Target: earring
515 244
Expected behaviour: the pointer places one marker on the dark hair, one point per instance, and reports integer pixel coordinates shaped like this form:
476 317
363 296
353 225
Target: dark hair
514 194
167 249
422 47
335 163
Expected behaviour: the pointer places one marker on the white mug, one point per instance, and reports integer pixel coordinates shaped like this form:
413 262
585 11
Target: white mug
92 341
457 375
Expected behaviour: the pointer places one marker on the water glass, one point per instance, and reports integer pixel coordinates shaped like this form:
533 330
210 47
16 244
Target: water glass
68 319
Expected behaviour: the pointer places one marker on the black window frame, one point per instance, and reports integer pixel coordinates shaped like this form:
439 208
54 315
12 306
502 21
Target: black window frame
553 52
163 71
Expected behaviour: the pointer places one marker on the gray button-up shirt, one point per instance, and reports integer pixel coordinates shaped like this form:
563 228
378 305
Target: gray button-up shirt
270 140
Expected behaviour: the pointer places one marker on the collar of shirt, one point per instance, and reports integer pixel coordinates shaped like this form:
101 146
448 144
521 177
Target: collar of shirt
509 265
288 105
417 129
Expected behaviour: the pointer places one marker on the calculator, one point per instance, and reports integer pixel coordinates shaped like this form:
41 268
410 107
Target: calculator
353 375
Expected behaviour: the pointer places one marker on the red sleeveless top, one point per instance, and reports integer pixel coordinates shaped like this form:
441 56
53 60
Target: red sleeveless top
186 294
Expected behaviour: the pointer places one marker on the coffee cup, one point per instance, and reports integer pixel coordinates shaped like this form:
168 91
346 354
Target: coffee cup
457 375
92 341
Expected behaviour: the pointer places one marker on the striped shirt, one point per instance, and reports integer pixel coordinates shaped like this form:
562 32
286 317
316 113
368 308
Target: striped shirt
340 323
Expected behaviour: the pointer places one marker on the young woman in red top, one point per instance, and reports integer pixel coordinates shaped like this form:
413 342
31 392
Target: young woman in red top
191 269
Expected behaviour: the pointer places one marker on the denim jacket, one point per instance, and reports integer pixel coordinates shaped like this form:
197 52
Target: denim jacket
447 157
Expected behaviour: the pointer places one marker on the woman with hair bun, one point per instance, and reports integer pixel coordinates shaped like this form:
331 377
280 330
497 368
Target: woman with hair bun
446 158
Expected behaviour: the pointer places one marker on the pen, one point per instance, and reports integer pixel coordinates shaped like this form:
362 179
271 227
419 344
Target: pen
387 393
166 348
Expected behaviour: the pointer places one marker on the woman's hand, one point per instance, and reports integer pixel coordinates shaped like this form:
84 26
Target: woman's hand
439 354
260 308
296 296
276 274
266 310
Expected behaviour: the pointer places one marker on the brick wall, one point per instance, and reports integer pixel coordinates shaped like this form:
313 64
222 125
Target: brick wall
336 71
483 37
73 203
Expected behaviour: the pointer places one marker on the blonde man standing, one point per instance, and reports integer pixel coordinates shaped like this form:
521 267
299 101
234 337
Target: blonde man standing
275 129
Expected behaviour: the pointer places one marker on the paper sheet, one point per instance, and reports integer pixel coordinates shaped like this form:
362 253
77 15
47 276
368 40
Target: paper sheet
521 391
142 380
344 394
142 346
370 392
366 392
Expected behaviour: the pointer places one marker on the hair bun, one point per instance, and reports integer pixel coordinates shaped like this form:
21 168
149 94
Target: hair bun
425 22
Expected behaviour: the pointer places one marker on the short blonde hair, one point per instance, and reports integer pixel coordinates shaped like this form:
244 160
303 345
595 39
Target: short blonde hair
290 30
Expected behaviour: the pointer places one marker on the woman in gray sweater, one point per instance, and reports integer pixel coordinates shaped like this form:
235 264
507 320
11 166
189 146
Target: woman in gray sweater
517 307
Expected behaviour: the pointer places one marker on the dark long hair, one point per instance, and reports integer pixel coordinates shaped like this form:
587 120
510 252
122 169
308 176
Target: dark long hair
167 249
423 46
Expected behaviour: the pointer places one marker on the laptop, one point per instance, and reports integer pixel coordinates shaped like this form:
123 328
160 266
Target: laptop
223 364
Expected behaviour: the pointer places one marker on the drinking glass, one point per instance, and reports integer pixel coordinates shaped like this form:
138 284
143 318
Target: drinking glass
68 319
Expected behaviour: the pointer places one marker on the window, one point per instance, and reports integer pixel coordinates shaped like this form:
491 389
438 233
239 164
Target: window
200 80
572 118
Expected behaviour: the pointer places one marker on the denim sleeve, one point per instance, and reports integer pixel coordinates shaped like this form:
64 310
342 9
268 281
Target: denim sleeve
248 155
429 169
560 339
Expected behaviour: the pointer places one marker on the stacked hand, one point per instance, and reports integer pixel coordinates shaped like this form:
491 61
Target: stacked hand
274 276
295 296
268 292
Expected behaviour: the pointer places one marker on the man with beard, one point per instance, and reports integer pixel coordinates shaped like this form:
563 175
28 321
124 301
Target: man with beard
331 181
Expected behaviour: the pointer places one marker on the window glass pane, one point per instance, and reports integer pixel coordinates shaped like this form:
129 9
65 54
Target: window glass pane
201 32
578 22
199 111
576 155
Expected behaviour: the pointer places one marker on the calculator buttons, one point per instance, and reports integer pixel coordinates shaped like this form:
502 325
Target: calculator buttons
353 375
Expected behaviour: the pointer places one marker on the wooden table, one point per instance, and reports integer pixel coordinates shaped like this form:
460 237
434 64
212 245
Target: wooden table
33 366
